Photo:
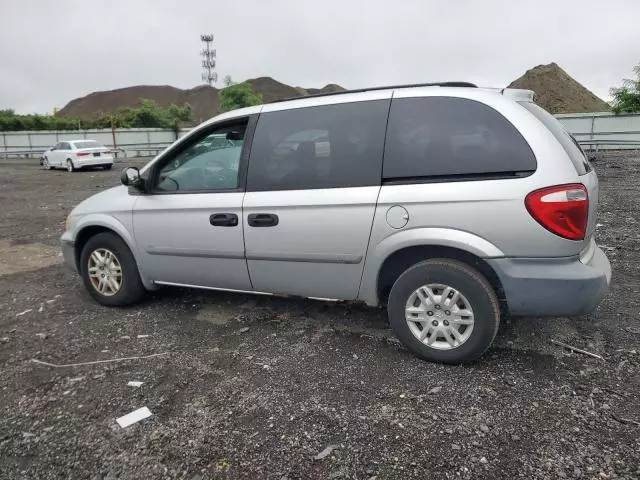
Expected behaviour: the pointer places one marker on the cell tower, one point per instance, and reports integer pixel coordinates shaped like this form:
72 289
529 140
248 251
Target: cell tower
208 60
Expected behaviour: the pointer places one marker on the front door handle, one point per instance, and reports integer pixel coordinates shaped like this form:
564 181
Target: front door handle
224 220
262 220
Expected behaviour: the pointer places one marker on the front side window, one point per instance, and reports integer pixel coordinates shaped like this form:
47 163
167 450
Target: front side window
447 136
208 164
329 146
65 146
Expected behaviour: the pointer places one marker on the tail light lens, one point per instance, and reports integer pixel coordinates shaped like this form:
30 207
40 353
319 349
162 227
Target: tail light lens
82 154
562 209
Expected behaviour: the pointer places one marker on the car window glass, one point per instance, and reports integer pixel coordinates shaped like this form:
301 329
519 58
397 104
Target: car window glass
88 144
211 163
329 146
65 146
444 136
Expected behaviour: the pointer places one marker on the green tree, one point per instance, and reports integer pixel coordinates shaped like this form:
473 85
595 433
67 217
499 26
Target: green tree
626 99
147 115
237 95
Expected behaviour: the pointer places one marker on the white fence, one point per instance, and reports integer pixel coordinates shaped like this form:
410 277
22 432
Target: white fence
136 141
599 127
604 127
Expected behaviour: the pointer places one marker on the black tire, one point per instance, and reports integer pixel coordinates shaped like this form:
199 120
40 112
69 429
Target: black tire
45 164
70 166
470 283
131 289
108 167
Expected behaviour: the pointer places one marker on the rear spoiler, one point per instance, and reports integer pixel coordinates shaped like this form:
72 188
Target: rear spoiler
519 95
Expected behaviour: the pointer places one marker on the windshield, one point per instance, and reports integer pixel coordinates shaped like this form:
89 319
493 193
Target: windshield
88 144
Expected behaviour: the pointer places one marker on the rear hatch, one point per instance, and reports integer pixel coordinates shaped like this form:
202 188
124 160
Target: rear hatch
586 174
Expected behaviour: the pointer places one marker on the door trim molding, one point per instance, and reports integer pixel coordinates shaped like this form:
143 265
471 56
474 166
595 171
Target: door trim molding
179 252
344 258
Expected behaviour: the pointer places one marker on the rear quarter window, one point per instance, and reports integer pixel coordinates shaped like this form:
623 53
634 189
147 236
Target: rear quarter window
433 137
567 141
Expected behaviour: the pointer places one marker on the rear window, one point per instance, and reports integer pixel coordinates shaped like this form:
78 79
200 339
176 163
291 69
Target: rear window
567 141
448 137
88 144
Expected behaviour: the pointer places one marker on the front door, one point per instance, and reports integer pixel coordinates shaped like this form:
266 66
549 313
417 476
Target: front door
188 227
313 182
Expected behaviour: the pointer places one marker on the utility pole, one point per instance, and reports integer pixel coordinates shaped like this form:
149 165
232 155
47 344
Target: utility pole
208 55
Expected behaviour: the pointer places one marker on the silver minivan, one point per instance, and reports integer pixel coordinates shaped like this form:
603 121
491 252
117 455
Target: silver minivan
451 205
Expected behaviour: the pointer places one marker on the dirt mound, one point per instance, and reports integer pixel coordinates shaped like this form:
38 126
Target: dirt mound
203 99
557 92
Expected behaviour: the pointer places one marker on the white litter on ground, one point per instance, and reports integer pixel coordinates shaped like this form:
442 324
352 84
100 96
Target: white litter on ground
134 417
22 313
144 336
134 383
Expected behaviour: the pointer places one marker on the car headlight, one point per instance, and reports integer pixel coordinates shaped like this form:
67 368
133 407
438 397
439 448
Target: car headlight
68 223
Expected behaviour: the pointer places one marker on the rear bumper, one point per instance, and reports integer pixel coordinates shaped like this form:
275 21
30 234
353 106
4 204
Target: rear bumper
92 161
552 286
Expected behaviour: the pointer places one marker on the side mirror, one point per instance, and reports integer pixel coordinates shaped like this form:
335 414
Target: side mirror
130 177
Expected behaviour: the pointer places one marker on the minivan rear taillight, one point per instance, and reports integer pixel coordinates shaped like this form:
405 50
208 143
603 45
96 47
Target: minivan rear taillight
561 209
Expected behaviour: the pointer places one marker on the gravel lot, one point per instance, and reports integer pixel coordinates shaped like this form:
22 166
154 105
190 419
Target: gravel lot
257 387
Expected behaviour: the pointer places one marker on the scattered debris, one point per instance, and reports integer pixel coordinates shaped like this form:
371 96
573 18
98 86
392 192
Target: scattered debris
626 420
76 379
222 465
4 339
355 357
26 311
134 383
35 360
326 452
41 336
40 310
435 390
125 337
243 330
484 429
484 460
143 336
634 330
577 350
134 417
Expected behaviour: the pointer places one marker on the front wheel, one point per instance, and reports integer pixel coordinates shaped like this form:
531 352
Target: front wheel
109 271
70 167
444 311
45 164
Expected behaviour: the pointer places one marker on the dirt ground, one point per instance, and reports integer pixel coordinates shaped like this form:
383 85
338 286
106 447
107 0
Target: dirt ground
261 387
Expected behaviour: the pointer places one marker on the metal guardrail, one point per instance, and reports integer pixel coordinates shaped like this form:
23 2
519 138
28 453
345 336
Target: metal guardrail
598 142
117 151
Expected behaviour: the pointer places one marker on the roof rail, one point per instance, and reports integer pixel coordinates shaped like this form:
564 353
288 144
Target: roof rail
388 87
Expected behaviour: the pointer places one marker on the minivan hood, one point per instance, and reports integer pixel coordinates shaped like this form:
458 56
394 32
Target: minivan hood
116 199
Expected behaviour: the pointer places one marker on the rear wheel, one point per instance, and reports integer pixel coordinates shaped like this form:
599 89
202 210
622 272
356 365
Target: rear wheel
444 311
70 167
109 271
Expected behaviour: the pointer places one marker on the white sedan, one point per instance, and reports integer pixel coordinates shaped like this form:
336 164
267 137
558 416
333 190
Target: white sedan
76 154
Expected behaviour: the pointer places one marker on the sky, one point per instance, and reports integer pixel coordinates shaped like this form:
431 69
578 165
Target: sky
52 51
